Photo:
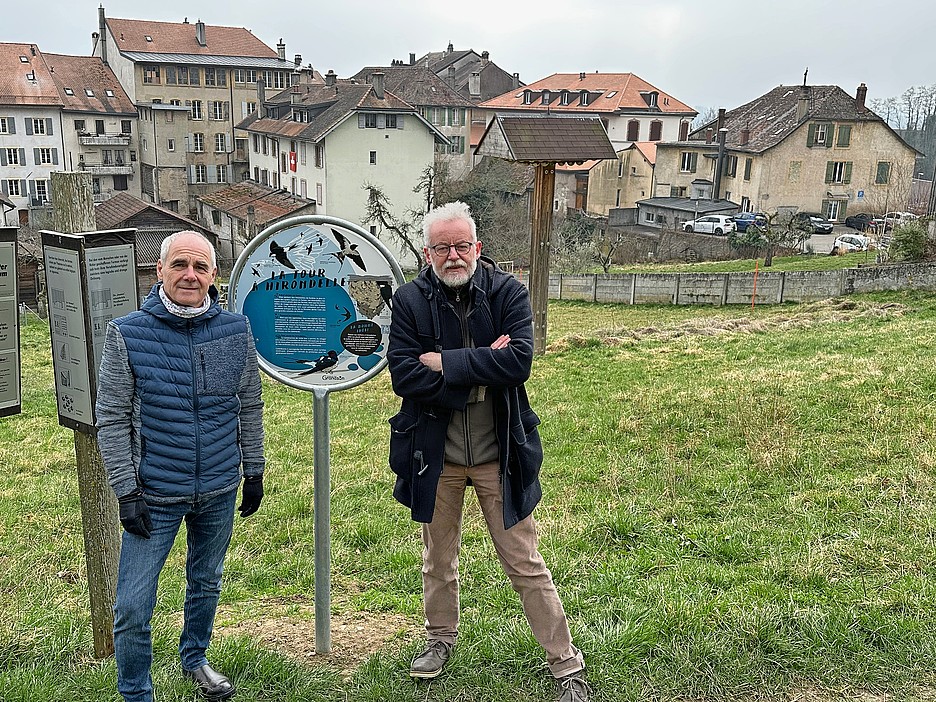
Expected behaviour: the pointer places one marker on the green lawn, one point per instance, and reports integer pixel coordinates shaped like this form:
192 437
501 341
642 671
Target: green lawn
739 505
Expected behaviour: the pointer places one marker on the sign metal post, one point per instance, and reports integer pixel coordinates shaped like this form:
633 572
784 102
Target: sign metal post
317 291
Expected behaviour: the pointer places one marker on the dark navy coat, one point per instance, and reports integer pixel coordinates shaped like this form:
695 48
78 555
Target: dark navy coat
423 320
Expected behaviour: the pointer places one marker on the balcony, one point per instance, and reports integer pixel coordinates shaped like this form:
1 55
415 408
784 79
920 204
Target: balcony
104 139
106 169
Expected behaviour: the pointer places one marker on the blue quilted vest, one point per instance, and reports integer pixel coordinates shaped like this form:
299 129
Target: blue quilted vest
187 373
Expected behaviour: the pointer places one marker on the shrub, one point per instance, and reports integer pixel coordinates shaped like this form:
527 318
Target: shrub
909 242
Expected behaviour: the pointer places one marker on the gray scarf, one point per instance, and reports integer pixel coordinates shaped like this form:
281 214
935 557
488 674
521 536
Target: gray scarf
180 310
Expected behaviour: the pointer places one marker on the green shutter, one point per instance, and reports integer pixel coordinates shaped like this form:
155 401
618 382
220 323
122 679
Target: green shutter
848 170
748 162
829 135
828 171
811 139
844 135
825 209
693 162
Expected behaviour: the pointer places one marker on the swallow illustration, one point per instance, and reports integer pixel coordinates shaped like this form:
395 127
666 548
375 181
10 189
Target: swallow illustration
279 253
386 292
255 271
309 250
346 315
347 250
320 364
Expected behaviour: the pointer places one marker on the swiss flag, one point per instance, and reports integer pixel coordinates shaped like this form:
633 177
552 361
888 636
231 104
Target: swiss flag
292 160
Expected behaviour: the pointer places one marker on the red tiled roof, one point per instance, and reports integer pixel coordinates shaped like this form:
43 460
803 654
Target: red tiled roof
648 149
269 204
16 88
179 38
79 73
608 93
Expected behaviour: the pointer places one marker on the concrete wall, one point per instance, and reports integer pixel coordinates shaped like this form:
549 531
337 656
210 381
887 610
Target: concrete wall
739 288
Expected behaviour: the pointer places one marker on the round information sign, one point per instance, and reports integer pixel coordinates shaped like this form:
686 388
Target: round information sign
317 291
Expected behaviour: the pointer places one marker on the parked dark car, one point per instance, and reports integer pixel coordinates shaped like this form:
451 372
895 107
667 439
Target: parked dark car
819 223
863 222
743 220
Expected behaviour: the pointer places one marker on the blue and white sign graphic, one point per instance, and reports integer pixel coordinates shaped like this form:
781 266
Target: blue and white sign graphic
317 291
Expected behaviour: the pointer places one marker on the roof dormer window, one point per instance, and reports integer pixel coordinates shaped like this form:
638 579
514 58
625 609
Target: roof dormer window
584 99
546 97
109 93
564 97
69 91
89 92
24 59
527 97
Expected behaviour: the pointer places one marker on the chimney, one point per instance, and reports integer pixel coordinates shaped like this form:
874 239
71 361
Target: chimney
330 77
294 97
745 136
200 33
720 124
298 60
802 104
102 29
261 98
582 75
450 49
451 76
709 135
720 161
377 80
412 59
860 95
281 50
474 85
485 57
515 81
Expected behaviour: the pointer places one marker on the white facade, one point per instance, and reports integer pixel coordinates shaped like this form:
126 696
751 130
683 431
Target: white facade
31 148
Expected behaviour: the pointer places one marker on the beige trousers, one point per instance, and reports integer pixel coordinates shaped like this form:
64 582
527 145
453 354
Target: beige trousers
519 557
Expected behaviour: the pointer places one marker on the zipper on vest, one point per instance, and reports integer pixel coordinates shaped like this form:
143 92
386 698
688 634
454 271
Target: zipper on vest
191 336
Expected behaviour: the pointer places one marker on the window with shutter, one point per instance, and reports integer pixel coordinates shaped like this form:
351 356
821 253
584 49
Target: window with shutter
844 135
748 164
882 177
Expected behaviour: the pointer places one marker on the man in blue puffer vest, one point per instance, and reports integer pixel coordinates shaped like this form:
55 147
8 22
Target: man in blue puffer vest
179 413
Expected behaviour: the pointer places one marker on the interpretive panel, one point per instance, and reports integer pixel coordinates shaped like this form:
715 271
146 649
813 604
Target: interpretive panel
317 291
10 381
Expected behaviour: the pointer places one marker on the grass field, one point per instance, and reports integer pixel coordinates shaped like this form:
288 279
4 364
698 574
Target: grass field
739 505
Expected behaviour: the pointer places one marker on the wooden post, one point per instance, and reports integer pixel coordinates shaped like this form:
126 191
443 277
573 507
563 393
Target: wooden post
73 207
543 188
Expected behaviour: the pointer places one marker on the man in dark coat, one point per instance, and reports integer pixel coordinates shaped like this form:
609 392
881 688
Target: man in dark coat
461 348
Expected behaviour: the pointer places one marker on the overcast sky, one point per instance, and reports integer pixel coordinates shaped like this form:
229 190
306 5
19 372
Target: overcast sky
720 53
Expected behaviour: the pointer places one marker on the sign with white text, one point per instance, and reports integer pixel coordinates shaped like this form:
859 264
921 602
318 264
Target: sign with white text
317 291
10 380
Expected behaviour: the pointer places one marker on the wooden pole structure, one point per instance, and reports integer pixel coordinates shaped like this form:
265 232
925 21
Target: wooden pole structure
73 206
544 184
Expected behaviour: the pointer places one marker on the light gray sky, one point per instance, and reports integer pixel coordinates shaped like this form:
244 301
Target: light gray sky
720 53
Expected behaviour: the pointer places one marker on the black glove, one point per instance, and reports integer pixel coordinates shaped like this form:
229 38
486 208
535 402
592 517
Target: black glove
134 514
251 495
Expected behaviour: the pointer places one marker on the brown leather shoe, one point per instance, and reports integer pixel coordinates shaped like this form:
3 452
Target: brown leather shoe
213 686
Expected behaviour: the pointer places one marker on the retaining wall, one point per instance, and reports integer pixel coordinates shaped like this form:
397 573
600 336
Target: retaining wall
739 288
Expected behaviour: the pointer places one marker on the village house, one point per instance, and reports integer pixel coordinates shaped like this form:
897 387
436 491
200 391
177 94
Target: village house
441 106
811 148
329 142
192 83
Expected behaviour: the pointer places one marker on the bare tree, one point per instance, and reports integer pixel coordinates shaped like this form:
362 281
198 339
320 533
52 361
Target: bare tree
405 229
780 231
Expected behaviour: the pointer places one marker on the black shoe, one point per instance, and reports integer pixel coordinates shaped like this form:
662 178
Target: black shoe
430 661
213 686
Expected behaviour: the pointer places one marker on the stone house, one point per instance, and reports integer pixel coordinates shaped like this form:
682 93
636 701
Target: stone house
807 148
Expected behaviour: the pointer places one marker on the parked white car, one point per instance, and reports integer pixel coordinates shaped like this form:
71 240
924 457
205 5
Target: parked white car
852 242
710 224
895 219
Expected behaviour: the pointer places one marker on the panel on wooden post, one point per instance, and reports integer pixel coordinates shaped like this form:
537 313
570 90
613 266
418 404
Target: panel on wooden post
73 207
543 189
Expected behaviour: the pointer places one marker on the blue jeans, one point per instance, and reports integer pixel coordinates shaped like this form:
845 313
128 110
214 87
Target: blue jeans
208 523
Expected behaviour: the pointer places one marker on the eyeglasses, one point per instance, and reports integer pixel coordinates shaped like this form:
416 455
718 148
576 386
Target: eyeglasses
461 248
